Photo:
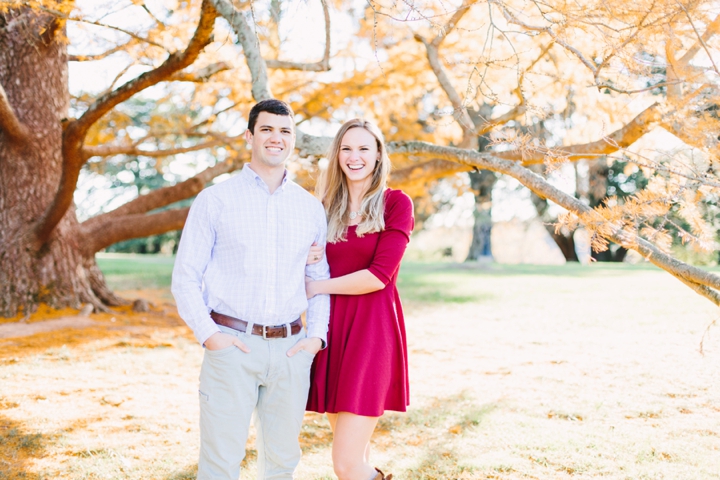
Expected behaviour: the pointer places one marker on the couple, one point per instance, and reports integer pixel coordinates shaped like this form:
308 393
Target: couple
245 271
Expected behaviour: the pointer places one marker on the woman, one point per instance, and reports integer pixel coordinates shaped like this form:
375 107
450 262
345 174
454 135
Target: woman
363 371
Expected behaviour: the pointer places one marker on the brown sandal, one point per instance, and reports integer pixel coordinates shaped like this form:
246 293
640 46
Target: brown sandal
382 476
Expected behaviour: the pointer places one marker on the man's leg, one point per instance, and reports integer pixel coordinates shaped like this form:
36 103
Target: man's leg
280 410
229 381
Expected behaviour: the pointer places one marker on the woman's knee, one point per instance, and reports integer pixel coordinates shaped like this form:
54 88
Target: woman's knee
346 467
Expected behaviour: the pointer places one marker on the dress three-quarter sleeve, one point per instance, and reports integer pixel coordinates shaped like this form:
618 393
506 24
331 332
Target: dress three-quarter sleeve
399 222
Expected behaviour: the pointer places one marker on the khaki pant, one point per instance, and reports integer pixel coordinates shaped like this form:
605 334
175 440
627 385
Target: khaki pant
233 384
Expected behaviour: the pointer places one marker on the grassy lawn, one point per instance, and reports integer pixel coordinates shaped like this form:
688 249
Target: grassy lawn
517 372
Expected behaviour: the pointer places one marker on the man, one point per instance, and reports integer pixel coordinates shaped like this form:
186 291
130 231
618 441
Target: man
239 283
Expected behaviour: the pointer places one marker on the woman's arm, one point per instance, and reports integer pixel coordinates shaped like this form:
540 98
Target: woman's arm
356 283
388 254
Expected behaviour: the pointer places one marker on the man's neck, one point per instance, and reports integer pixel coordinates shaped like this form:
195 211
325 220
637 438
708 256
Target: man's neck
272 176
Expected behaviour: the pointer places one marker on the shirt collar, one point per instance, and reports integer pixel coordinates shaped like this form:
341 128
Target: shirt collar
254 179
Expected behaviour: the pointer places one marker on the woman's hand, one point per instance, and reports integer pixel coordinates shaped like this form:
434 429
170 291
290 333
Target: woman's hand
316 253
309 288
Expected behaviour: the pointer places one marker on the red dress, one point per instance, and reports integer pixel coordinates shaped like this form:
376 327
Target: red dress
364 368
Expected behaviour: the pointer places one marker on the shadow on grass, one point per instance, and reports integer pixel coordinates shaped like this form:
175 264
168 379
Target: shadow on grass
316 433
456 413
444 464
18 448
432 430
188 473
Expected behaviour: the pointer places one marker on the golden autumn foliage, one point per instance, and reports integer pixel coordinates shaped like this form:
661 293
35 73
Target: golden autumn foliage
551 82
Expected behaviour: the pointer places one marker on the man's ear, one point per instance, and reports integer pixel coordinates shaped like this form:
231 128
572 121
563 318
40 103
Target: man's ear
248 136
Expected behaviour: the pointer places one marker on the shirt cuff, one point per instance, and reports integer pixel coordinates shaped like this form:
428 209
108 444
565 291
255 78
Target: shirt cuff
202 334
318 333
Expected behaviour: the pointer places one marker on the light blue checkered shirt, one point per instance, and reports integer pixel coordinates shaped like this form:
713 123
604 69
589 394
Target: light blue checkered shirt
243 253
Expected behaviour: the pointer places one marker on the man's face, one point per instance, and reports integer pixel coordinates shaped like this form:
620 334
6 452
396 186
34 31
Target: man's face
273 139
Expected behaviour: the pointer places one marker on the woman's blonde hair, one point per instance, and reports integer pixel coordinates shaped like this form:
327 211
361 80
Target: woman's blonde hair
334 193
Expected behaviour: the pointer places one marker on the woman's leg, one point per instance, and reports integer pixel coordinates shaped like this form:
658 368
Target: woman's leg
351 438
332 418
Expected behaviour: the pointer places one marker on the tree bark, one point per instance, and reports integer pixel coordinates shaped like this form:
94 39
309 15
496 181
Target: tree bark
482 183
33 73
598 173
563 239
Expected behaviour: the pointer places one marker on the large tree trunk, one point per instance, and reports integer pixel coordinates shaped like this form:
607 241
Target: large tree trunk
33 73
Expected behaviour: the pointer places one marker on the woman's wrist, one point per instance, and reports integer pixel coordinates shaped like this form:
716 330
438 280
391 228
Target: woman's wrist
316 287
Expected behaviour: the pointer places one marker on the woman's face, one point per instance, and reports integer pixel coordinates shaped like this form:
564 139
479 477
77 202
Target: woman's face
358 155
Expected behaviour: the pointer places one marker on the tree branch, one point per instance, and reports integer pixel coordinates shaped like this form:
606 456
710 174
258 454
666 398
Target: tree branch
15 131
115 229
639 90
62 15
75 133
321 66
452 23
517 110
621 138
432 49
251 48
421 173
304 67
165 196
712 29
311 145
202 75
99 56
511 18
704 283
462 116
111 150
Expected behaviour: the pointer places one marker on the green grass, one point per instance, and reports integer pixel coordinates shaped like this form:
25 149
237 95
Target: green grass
421 282
136 272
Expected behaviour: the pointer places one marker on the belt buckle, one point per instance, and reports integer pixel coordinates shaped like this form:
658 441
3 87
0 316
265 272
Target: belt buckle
264 332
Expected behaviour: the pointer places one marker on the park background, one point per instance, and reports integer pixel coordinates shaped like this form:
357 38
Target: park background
562 160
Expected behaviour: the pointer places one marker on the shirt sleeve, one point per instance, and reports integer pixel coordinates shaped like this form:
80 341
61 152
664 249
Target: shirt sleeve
318 312
399 223
194 254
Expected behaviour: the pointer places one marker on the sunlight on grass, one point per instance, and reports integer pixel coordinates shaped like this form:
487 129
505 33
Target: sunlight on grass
516 372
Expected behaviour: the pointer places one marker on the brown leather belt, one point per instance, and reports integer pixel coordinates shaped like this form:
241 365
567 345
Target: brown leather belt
265 331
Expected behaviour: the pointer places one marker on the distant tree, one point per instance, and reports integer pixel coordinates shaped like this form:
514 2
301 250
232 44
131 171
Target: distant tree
431 68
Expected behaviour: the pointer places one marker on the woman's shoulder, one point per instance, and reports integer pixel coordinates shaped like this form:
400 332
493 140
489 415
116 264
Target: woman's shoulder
397 203
393 197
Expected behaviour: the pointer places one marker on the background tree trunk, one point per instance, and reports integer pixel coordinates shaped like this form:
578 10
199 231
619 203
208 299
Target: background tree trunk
33 72
482 183
598 173
564 238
